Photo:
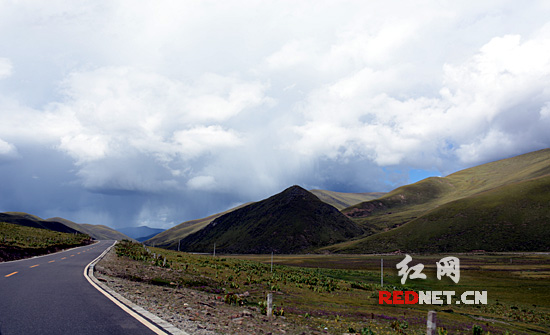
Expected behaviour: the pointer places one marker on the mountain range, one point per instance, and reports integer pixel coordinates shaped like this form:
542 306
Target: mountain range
28 220
498 206
140 233
98 232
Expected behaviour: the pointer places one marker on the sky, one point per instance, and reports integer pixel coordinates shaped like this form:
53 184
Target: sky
130 113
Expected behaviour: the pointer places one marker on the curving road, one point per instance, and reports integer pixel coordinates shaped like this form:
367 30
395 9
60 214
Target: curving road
50 295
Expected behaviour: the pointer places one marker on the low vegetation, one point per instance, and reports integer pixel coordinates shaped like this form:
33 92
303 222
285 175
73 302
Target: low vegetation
338 294
21 242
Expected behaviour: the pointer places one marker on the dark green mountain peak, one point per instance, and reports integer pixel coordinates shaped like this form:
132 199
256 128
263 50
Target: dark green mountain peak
296 192
292 221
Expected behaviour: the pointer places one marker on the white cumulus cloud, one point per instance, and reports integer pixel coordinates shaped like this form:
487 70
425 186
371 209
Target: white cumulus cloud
6 68
7 149
489 103
189 107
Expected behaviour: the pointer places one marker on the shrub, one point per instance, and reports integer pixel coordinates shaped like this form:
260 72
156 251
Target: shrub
477 330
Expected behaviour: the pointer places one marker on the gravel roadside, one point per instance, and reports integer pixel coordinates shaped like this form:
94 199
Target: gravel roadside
193 311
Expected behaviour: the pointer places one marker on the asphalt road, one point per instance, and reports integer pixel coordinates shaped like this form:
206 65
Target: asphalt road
49 295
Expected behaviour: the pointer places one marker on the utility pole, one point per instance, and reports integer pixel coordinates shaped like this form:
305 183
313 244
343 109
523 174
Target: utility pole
214 249
179 243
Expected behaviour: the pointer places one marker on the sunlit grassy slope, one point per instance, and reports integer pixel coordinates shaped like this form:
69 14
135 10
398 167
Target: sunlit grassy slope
503 205
343 200
25 215
411 201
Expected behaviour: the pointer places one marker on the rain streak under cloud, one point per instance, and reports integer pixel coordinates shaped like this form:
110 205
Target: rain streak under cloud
118 113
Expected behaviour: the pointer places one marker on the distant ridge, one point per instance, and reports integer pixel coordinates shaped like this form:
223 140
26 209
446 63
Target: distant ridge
28 220
342 200
98 232
140 233
292 221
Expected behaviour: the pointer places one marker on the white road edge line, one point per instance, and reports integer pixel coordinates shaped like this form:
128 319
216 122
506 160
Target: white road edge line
135 311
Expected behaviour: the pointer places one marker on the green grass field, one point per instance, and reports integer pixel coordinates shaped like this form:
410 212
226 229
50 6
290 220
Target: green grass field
340 292
517 286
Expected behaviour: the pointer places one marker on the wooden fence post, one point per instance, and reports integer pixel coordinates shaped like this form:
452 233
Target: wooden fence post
431 326
270 305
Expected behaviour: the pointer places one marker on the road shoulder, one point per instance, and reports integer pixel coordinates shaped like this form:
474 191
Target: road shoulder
148 319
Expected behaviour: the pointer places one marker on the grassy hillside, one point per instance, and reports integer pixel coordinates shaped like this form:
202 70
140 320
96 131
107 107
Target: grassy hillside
17 241
513 217
343 200
26 216
24 219
170 238
409 202
412 216
98 232
292 221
